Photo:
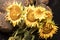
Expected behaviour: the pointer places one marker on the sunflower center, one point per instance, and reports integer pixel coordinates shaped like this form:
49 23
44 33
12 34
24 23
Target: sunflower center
49 15
30 16
47 29
38 12
15 12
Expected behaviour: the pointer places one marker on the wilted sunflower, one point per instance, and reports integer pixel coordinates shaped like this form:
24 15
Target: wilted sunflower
14 12
48 14
29 16
47 30
39 13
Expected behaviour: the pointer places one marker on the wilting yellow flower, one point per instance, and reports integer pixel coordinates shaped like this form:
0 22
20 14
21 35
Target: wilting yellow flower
47 30
39 13
48 14
29 16
14 12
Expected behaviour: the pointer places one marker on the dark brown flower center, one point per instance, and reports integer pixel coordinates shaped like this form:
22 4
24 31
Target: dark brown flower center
47 29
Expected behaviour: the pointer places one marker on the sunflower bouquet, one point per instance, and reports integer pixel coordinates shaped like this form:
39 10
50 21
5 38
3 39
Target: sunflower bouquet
29 20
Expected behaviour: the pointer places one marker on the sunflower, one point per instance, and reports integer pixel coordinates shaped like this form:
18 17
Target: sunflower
29 16
48 14
47 30
39 13
14 12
